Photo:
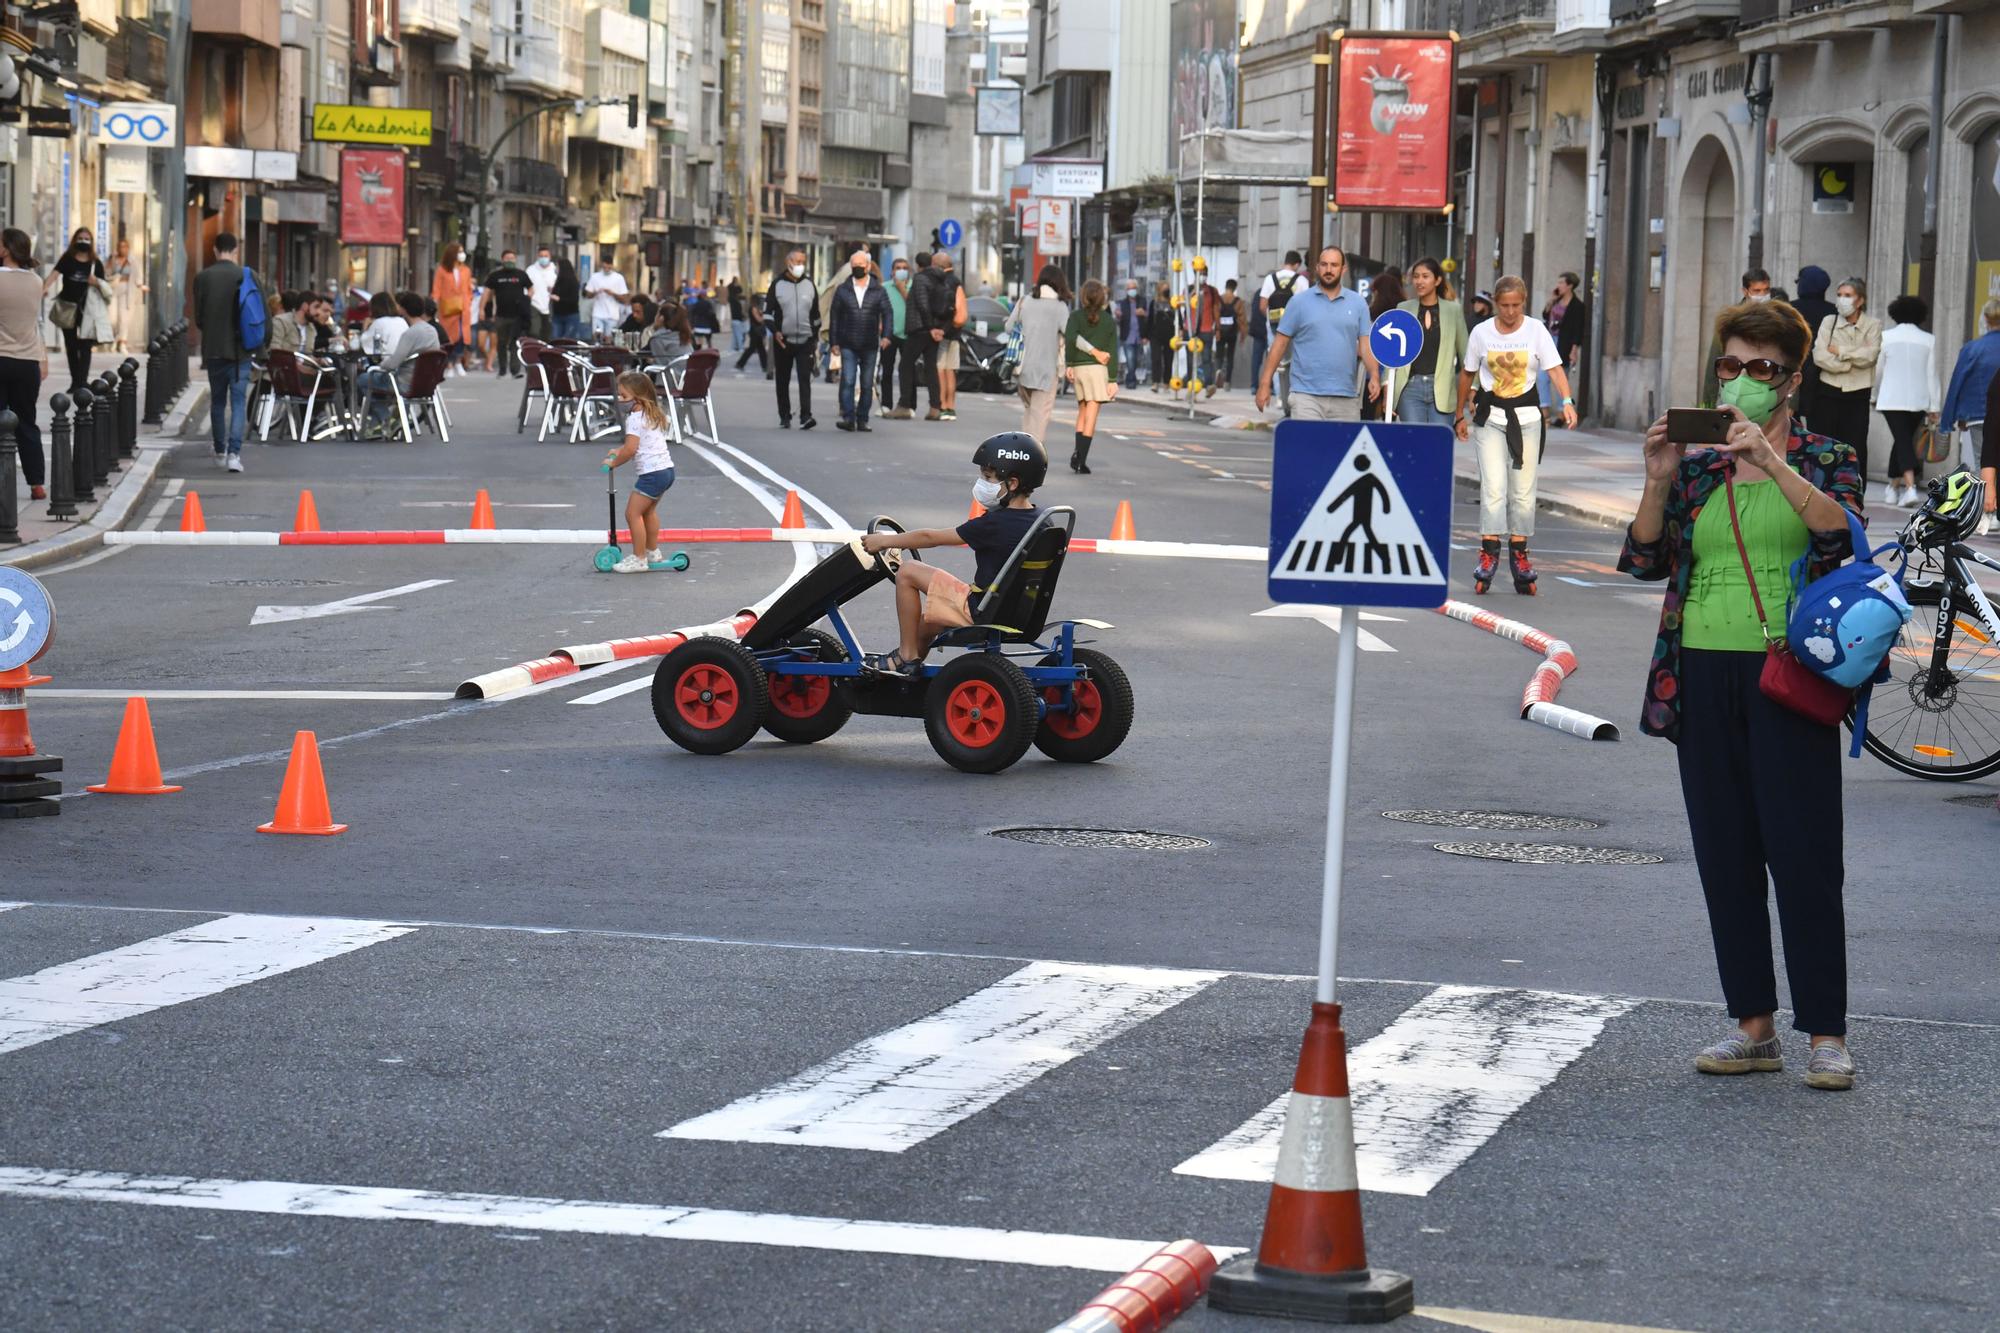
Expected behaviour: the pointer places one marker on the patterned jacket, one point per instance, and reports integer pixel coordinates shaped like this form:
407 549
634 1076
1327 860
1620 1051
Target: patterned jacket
1827 464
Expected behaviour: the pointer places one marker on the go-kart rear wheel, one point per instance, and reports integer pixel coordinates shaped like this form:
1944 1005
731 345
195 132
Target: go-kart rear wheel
1101 718
709 695
980 712
805 709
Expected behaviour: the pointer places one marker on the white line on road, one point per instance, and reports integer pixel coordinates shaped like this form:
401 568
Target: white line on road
898 1088
332 696
371 1203
618 691
497 504
1434 1085
172 969
273 615
8 907
1329 616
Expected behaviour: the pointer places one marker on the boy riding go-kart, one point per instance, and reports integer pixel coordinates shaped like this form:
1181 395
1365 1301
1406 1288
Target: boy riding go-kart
983 707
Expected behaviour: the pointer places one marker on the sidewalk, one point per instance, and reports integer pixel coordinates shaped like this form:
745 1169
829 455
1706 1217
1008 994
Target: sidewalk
47 541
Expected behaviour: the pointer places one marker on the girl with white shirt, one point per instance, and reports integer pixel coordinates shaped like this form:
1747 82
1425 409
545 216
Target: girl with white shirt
1906 393
646 430
385 326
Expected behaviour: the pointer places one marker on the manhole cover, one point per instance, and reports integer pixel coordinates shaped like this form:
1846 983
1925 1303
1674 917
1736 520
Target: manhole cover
1494 821
1550 853
1978 800
1122 839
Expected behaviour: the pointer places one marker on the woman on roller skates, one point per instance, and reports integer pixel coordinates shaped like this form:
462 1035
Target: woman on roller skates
1504 418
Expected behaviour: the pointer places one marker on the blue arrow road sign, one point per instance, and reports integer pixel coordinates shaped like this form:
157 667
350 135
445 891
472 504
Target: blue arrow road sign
950 233
1396 338
27 618
1360 514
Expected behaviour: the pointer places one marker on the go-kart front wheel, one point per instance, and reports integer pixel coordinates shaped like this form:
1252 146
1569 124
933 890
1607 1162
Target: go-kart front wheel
805 709
1102 716
709 695
980 712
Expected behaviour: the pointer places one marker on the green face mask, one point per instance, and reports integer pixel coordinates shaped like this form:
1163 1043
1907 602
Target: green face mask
1753 398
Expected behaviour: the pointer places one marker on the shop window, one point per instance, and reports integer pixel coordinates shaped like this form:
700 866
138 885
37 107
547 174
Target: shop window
1918 163
1985 226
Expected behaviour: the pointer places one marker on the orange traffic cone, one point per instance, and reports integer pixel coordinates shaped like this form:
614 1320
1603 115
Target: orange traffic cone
135 764
1312 1262
16 741
191 519
795 514
1121 524
307 517
302 803
975 511
482 512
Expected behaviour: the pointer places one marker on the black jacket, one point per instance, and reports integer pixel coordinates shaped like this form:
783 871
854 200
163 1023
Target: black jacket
859 325
928 305
566 295
215 290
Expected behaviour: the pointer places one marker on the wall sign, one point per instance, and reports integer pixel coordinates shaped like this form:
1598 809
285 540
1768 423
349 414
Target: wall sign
371 196
138 124
1393 135
410 126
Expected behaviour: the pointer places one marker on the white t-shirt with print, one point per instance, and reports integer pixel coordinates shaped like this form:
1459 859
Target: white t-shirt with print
1507 363
653 455
605 284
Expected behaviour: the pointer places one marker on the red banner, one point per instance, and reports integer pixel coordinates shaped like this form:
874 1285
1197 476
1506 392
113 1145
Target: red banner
371 196
1393 146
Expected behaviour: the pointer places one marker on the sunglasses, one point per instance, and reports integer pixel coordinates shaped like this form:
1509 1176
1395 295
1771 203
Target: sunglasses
1762 369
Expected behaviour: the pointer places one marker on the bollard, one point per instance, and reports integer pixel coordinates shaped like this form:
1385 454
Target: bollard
104 456
156 384
81 470
10 518
62 478
128 408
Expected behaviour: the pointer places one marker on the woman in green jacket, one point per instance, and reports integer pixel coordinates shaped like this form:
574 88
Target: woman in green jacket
1426 391
1090 361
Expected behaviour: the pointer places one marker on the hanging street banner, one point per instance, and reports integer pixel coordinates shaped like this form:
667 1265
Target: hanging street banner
410 126
371 196
1392 140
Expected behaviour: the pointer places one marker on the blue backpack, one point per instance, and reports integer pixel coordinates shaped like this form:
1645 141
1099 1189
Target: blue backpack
1843 624
253 322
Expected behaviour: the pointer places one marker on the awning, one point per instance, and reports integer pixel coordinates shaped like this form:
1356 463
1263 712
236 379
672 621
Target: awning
1247 157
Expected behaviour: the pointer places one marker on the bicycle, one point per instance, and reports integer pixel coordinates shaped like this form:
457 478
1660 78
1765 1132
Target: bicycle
1938 715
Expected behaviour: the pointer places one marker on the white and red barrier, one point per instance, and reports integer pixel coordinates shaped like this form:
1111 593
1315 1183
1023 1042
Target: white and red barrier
1151 1296
1559 663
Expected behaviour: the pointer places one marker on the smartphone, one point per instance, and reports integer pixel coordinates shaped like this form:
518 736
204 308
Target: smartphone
1698 425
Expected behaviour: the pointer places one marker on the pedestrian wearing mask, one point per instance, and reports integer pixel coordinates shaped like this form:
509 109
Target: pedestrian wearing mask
1324 331
1973 376
1812 303
1228 327
1131 332
24 357
81 274
609 297
1906 393
1041 317
859 327
1426 391
929 303
1568 317
1756 290
1504 355
1761 783
1160 332
451 291
1090 354
1279 287
791 305
1845 349
541 290
1204 309
898 293
509 286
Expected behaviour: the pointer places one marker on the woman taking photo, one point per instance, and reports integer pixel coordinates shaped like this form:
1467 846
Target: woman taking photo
1761 783
81 273
24 357
1845 348
1422 396
1906 393
1090 354
451 292
1042 318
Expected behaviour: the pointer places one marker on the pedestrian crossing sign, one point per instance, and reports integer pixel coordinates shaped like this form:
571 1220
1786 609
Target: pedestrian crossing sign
1360 514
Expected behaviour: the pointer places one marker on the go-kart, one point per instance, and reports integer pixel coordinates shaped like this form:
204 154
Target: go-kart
1015 683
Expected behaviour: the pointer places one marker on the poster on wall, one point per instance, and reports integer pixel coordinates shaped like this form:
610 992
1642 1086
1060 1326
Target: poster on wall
1052 219
1203 91
1393 135
371 196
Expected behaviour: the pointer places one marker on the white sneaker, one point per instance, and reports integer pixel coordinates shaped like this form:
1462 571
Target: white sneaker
1890 495
222 460
631 564
235 463
1986 525
1906 498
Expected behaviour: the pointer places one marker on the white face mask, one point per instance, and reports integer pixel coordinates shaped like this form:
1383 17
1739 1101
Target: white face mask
986 493
797 270
1844 304
542 261
902 275
1759 298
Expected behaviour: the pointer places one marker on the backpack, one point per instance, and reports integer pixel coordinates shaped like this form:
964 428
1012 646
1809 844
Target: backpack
253 322
1281 292
1843 624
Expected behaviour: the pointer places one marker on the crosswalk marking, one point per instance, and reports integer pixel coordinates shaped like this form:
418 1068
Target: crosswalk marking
171 969
372 1203
1434 1085
903 1086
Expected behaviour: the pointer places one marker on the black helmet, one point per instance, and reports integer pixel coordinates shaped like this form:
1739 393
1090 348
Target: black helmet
1016 454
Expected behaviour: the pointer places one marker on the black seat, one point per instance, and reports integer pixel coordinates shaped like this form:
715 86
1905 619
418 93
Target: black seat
1018 602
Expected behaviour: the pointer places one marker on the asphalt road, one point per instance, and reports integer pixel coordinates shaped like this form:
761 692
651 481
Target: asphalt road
685 931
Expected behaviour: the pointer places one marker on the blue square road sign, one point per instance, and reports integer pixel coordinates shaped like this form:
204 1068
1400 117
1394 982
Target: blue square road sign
1361 514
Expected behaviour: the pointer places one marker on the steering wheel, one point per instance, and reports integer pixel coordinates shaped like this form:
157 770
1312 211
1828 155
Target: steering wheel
887 561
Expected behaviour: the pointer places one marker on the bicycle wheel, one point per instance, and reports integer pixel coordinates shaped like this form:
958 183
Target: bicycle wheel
1946 727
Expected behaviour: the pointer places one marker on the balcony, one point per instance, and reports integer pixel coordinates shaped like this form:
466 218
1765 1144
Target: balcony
537 63
1678 15
136 54
532 178
243 20
1796 21
430 20
1502 35
1079 37
1582 25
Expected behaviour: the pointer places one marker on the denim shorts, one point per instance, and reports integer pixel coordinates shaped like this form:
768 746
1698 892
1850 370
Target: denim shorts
653 485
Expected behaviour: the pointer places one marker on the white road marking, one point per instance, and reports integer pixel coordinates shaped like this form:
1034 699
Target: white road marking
1434 1085
172 969
618 691
273 615
372 1203
330 696
497 504
1586 583
1329 616
8 907
900 1087
582 677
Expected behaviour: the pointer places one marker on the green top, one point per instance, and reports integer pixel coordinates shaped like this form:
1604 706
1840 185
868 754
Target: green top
1103 335
898 311
1719 614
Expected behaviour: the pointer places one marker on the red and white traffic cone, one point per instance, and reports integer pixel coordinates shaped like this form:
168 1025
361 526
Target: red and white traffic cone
1312 1263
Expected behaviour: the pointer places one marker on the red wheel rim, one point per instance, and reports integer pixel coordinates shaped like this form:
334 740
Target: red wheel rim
975 715
800 697
706 696
1089 711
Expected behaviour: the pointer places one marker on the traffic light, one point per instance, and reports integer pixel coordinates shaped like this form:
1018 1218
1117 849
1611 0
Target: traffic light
632 111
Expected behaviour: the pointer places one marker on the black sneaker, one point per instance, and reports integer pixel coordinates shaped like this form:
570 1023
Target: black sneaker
949 414
784 423
807 424
864 427
843 424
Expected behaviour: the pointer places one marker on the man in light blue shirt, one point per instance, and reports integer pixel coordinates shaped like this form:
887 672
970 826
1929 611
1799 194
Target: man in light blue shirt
1325 330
